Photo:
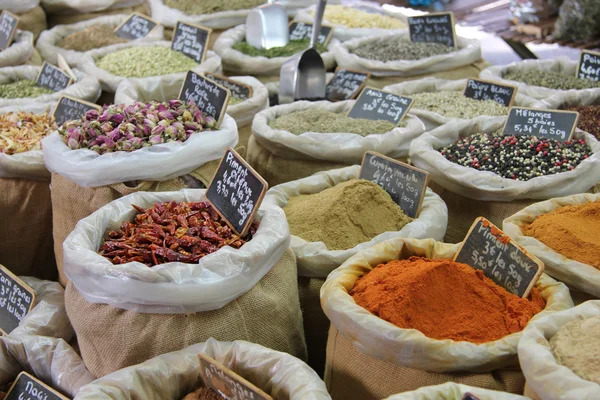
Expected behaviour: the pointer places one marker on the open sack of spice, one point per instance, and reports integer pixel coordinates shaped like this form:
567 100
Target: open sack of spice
293 141
74 40
177 375
540 78
17 87
31 15
85 6
19 52
147 60
239 57
559 354
407 313
214 283
455 391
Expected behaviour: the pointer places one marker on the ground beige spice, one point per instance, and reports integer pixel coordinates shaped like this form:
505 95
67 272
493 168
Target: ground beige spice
345 215
94 37
577 346
197 7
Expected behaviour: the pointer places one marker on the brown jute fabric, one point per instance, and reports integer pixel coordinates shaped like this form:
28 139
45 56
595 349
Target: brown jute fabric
269 314
26 228
316 323
72 18
33 21
352 375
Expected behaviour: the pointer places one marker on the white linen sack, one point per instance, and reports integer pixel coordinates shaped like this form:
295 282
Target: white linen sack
236 62
20 50
173 375
49 40
214 281
486 185
382 340
89 169
574 273
110 82
314 259
86 88
85 6
566 98
545 376
469 51
19 6
454 391
562 65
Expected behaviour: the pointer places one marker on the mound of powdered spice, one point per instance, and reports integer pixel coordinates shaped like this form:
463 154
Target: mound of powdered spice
571 231
345 215
21 89
204 393
392 49
293 47
456 105
550 79
196 7
323 121
589 119
444 299
94 37
145 61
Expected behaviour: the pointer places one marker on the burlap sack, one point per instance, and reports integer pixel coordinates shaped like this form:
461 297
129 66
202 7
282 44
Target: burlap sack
546 378
454 391
236 62
173 375
316 323
20 50
72 18
33 20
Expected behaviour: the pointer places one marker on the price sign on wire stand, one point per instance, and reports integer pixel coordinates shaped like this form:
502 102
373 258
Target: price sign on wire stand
136 26
545 124
433 28
379 105
478 89
589 65
17 299
8 27
303 31
208 95
191 40
69 108
28 387
53 78
346 84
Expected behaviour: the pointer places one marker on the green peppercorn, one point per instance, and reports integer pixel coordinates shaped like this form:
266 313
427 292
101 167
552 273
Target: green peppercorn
23 88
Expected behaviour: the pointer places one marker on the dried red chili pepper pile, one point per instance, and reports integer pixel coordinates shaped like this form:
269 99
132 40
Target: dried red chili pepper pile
171 231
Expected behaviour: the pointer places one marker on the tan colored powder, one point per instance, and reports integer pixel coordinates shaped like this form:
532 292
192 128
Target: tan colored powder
345 215
94 37
577 347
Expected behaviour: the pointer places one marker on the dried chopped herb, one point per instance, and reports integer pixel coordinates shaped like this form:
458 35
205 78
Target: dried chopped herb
94 37
293 47
196 7
392 49
145 61
22 131
549 79
21 89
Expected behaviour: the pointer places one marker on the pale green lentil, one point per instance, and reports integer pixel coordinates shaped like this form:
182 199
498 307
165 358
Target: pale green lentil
23 88
456 105
145 61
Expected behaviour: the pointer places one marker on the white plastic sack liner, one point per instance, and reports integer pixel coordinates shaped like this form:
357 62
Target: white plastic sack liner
488 186
341 146
468 52
174 287
131 90
549 379
49 40
159 162
236 62
561 65
344 33
314 259
567 98
173 375
86 88
574 273
19 6
383 340
85 6
20 50
110 82
454 391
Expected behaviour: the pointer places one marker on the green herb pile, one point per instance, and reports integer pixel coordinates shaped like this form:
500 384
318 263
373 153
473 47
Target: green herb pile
293 47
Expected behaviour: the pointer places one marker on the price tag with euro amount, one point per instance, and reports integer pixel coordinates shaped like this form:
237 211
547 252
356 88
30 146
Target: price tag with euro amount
69 108
545 124
501 259
303 31
589 65
346 84
8 27
433 28
207 94
136 26
28 387
377 105
191 40
404 183
477 89
17 299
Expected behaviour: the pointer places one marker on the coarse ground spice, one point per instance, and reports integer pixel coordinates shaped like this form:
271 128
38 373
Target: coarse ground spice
571 231
444 299
293 47
94 37
145 61
196 7
21 89
352 18
589 119
22 131
456 105
344 215
323 121
204 393
516 157
577 346
550 79
392 49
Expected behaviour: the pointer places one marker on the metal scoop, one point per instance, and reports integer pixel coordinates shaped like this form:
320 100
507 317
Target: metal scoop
267 26
303 75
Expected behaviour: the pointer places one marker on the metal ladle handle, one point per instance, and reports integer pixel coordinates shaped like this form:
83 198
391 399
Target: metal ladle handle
317 24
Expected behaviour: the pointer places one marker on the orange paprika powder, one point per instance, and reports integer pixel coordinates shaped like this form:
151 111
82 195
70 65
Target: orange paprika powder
444 299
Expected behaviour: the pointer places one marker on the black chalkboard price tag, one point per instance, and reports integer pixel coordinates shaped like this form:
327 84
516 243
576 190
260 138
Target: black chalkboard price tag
435 27
404 183
236 191
589 65
226 382
53 78
303 31
211 97
546 124
346 84
136 26
501 259
191 40
68 108
478 89
237 89
8 27
16 300
28 387
377 105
